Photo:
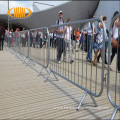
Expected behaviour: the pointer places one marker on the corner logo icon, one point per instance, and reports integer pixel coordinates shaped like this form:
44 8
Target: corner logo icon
19 12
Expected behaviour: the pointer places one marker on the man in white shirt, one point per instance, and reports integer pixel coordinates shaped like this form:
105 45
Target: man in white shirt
90 31
67 38
41 37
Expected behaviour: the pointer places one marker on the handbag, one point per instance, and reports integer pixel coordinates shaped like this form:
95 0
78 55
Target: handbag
115 43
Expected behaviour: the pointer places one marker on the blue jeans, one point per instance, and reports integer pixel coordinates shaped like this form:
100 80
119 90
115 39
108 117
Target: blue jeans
90 46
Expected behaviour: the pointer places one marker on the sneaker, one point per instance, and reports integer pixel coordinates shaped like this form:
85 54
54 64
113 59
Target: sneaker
71 61
59 62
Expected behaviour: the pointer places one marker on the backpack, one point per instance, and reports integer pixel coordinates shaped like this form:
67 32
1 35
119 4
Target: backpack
58 22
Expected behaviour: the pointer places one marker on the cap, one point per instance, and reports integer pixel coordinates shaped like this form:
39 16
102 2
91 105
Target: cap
60 12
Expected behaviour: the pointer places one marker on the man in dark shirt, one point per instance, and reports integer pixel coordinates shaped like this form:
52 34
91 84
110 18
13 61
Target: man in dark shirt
2 36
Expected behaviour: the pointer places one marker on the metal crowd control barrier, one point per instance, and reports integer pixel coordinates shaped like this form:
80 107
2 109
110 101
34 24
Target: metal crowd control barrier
81 72
113 85
39 47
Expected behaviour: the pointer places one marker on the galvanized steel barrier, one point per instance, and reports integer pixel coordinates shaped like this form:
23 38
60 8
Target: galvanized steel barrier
71 63
80 72
113 82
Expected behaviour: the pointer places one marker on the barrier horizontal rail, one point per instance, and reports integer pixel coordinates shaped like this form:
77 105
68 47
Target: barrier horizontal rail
113 81
80 72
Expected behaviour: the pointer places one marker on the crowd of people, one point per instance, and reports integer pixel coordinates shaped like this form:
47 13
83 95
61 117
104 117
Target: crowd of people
37 38
90 39
65 36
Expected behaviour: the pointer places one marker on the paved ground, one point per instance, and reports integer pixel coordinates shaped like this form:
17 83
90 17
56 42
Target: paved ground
23 95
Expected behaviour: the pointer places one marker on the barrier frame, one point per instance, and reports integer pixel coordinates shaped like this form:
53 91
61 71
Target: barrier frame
102 78
116 107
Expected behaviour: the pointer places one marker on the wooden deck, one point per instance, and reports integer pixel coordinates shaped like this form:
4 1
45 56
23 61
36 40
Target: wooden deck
23 95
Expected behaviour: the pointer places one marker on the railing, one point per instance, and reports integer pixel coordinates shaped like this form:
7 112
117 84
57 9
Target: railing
80 72
66 58
113 85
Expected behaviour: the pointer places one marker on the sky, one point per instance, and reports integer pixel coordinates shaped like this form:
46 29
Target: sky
26 4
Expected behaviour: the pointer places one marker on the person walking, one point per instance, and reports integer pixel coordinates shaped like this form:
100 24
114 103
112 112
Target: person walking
40 34
77 39
2 36
60 37
99 41
73 36
91 28
68 43
106 37
116 41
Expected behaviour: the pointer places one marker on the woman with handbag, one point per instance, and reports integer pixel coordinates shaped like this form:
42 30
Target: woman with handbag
116 41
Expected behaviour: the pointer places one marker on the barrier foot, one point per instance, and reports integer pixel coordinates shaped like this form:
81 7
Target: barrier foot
114 113
28 62
32 62
6 48
55 76
17 55
82 100
24 60
94 100
47 70
21 57
47 76
40 72
12 52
